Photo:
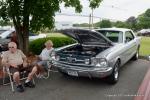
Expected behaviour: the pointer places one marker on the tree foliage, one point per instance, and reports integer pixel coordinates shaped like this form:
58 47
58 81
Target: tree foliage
35 15
132 22
5 23
144 20
105 24
120 24
95 3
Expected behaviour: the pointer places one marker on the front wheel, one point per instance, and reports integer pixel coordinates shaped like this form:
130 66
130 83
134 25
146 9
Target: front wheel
63 73
136 56
114 77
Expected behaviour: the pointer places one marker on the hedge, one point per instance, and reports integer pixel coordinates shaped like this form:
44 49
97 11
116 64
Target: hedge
36 46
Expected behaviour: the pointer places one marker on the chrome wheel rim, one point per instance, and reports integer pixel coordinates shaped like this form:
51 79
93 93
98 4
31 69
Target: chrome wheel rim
116 72
137 55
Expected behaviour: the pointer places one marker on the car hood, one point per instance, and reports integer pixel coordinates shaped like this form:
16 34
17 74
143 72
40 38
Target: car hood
87 37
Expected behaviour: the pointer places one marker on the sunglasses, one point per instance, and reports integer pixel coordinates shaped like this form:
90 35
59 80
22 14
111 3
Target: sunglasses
10 47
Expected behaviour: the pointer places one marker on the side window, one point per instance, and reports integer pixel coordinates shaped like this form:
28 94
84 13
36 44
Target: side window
128 36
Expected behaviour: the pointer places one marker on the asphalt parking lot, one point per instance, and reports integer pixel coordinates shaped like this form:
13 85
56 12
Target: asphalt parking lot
58 87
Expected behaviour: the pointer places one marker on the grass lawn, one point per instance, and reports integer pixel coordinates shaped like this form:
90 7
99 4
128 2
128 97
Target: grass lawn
145 46
55 35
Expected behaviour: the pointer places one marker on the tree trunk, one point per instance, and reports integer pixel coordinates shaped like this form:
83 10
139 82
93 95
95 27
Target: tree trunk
23 41
25 28
26 39
22 36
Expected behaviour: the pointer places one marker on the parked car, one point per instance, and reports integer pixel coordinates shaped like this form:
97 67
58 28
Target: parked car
2 30
5 36
144 32
98 53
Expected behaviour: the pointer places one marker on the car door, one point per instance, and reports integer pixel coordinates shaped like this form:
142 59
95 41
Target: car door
130 44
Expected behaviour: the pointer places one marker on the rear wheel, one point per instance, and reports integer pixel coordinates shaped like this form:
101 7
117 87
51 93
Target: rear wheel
114 77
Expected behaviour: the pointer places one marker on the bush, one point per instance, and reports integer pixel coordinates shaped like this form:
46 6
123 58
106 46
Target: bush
36 46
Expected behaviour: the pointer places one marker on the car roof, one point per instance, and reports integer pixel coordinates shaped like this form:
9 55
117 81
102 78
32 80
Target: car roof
115 29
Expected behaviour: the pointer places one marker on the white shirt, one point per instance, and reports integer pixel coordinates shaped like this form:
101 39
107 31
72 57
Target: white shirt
13 58
45 54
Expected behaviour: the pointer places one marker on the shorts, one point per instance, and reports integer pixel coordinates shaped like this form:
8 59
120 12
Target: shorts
43 63
20 69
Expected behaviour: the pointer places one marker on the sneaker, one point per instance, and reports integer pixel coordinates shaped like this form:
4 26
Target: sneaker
29 84
20 88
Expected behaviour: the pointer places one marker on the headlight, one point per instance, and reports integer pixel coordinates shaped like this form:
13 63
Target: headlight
87 61
54 58
57 58
99 62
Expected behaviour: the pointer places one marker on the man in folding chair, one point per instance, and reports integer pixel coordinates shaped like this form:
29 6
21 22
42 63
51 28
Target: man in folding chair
43 62
16 62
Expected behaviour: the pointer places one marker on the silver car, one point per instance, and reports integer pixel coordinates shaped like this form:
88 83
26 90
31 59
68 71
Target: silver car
97 53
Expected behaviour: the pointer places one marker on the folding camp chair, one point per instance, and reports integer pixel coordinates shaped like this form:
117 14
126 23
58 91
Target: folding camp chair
51 68
10 75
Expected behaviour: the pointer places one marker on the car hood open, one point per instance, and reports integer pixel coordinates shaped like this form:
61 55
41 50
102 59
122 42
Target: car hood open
87 37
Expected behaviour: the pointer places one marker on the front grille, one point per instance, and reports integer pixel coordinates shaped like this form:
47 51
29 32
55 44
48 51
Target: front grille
74 64
71 60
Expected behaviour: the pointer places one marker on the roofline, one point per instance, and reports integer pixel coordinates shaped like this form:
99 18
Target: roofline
115 29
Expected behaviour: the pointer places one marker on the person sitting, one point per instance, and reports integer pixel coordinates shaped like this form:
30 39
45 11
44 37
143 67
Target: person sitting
16 61
46 55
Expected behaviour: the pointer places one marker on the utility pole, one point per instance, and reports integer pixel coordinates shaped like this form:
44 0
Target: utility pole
90 21
92 18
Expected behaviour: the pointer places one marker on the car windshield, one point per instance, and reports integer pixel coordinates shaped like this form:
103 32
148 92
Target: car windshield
114 36
89 38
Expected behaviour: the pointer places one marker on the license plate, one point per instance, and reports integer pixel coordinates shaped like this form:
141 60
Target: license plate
72 73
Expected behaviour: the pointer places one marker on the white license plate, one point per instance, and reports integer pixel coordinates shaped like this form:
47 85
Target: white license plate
72 73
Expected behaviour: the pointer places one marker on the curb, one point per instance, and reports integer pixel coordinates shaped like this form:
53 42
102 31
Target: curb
143 57
144 89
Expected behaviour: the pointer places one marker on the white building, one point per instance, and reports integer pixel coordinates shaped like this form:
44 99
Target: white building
63 25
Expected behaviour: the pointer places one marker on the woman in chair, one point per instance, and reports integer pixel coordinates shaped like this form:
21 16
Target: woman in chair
46 55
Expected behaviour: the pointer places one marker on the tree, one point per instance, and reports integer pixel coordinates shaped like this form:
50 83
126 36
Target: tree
5 23
143 20
120 24
105 24
35 15
131 22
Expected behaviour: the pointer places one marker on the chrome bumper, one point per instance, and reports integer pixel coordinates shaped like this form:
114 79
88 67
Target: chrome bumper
85 72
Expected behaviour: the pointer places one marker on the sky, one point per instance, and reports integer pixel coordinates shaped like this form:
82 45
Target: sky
108 9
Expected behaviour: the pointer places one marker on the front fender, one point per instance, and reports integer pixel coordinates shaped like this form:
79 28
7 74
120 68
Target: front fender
112 61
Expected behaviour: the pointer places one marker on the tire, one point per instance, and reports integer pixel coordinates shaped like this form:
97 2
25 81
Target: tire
136 56
114 77
64 74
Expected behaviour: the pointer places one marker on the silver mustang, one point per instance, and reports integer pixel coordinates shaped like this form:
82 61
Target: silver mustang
98 53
